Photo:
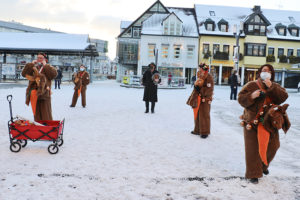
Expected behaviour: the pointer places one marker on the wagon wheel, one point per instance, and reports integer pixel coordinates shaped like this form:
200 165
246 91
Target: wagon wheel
53 149
23 143
60 142
15 147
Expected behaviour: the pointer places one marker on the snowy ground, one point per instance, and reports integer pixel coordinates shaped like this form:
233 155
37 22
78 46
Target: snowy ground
113 150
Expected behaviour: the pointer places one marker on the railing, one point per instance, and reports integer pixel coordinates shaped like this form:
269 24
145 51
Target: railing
135 80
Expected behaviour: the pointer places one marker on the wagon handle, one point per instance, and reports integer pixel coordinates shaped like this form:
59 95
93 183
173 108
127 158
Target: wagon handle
9 99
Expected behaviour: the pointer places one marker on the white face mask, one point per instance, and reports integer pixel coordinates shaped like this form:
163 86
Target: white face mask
82 69
265 75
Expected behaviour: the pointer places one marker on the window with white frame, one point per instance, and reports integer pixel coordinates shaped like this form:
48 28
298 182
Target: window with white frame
164 50
172 28
190 51
177 49
294 32
290 52
166 28
223 27
151 49
178 28
205 48
281 31
137 32
210 27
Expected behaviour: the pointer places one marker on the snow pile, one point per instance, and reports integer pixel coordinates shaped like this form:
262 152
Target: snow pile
113 150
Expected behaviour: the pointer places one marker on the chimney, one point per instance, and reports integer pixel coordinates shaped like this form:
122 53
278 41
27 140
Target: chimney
256 9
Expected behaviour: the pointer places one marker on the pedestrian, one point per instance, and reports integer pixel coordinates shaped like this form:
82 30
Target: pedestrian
260 145
169 79
193 80
233 81
38 93
58 78
200 100
151 79
81 79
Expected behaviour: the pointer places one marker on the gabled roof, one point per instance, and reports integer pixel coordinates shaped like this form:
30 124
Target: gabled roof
24 28
209 20
172 13
153 25
148 10
223 21
280 25
293 26
250 17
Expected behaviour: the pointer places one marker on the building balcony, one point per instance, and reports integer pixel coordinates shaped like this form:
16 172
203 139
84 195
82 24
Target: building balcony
221 56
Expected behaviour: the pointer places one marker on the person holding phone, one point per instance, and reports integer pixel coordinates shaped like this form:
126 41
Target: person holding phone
40 74
260 145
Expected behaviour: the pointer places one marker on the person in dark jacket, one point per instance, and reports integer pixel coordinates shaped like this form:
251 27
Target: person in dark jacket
233 85
150 80
193 80
58 78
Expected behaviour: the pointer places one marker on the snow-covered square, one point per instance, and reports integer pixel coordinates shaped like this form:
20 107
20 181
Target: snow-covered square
113 150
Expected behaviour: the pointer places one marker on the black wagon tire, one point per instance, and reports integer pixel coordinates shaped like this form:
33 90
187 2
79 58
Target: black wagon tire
60 142
15 147
23 143
53 149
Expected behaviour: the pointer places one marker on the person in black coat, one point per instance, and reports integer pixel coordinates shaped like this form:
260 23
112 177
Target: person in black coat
58 78
233 80
150 80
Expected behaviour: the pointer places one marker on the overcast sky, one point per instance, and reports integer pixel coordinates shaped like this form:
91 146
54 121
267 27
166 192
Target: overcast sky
101 18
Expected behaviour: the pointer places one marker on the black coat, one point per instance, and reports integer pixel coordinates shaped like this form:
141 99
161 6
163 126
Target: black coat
59 74
150 91
234 80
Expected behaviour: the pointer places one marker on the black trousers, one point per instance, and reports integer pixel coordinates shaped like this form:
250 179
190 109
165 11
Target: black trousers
152 105
233 92
57 83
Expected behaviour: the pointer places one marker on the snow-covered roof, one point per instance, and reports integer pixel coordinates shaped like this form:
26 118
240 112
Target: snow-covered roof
234 15
43 41
125 24
153 25
25 28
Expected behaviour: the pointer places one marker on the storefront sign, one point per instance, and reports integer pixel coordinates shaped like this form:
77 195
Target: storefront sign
164 64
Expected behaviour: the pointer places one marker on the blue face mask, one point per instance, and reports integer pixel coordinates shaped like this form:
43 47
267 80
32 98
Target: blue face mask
82 69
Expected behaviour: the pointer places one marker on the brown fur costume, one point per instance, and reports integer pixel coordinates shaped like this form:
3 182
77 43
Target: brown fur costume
81 80
277 94
40 81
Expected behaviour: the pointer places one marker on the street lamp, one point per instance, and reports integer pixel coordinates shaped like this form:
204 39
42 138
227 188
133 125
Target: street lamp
237 31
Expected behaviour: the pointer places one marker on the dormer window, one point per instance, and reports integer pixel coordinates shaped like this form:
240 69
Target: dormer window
223 25
281 29
209 24
210 27
172 25
294 30
256 23
212 13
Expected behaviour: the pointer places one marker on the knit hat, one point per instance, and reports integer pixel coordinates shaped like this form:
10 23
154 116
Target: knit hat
204 66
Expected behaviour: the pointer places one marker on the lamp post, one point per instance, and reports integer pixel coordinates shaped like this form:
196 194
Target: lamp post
237 31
